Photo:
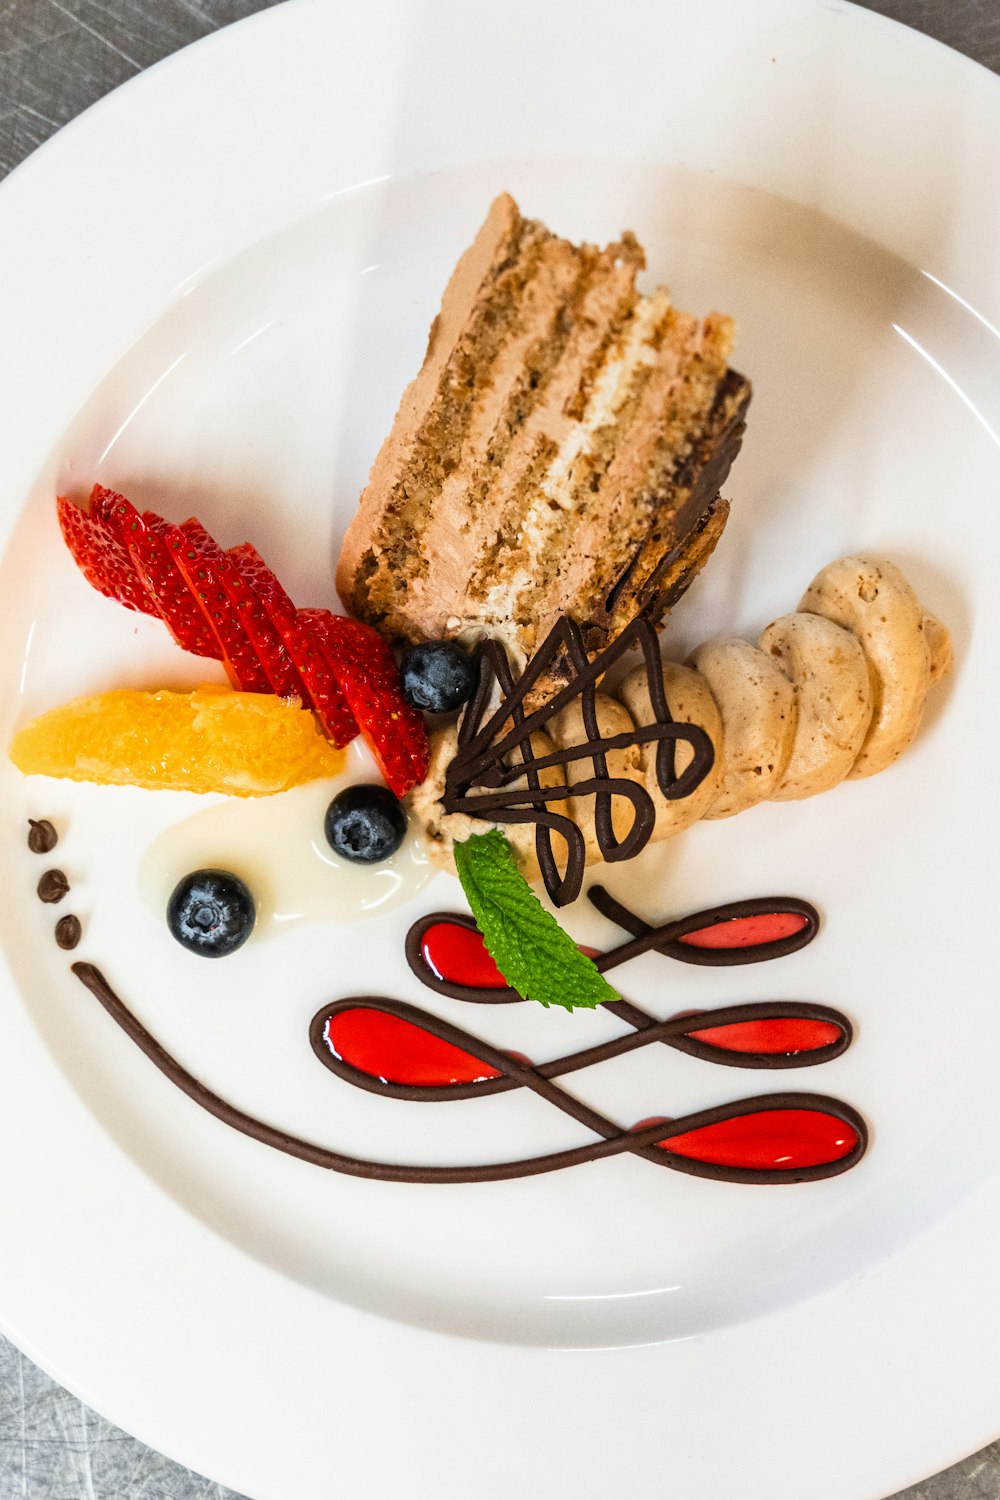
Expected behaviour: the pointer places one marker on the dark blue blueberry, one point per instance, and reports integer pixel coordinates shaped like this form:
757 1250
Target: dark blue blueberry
365 823
211 912
438 676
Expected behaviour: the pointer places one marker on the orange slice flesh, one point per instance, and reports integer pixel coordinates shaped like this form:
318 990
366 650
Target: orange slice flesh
211 740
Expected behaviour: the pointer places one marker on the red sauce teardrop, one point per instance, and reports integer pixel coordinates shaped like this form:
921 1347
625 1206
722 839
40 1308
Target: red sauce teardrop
778 1035
458 955
397 1051
772 1140
747 932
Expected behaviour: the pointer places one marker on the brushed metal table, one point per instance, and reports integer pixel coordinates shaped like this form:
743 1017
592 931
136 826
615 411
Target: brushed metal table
56 58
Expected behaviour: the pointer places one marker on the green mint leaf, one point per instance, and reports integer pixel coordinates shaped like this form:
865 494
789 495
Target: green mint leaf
533 953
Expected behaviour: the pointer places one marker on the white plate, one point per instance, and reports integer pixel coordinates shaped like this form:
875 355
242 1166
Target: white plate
212 289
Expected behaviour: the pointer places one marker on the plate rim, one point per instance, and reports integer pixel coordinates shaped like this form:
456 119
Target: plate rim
26 199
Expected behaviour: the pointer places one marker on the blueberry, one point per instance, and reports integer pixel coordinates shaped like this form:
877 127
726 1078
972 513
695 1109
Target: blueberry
365 823
211 912
438 676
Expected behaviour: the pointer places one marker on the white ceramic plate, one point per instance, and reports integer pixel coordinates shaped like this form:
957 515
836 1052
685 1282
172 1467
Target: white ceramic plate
212 289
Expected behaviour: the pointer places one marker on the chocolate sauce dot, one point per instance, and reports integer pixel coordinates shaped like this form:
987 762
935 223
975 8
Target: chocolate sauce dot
42 837
52 886
68 931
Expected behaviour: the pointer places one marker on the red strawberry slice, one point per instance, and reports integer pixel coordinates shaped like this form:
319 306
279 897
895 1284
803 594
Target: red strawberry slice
366 670
243 665
102 559
261 632
102 505
184 615
324 694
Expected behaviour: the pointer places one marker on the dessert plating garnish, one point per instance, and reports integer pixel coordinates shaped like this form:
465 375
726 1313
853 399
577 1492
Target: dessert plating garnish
447 952
536 956
403 1052
495 750
438 676
68 932
42 837
400 1051
211 913
230 607
53 886
365 823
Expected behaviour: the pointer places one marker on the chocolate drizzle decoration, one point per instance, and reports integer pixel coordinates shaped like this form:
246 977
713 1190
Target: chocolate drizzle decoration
400 1051
667 939
494 751
642 1140
503 1071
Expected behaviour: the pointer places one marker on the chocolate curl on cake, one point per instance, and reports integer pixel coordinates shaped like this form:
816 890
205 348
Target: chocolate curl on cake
496 774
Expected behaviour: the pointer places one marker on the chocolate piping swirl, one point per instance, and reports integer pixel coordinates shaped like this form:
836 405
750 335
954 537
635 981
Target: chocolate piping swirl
612 1142
515 1072
665 939
648 1027
483 758
675 1032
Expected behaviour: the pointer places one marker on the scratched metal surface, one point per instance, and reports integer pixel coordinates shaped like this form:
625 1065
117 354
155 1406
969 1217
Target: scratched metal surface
56 57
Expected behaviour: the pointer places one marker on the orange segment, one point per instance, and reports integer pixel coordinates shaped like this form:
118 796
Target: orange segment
211 740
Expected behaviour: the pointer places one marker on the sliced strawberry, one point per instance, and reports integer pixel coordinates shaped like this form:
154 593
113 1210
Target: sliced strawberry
102 505
102 559
243 666
184 615
366 670
230 606
324 694
263 635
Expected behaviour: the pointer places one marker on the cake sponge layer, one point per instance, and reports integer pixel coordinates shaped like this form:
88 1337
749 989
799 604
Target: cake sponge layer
560 451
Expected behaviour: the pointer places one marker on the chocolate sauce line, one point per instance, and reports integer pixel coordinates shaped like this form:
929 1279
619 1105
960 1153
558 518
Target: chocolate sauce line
666 939
613 1142
588 749
675 1032
516 1073
476 740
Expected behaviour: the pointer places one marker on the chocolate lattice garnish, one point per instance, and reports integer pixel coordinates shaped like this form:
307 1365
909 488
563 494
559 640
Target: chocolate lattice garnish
494 751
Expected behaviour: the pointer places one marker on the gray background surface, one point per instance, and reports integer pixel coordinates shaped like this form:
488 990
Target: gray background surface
56 57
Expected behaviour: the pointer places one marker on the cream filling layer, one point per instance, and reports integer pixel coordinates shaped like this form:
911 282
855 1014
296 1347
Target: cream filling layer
561 487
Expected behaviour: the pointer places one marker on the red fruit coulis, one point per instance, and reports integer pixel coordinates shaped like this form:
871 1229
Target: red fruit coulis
773 1034
458 954
398 1051
773 1140
747 932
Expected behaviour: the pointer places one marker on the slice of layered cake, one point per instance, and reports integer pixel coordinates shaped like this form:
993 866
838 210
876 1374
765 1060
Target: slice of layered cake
559 453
